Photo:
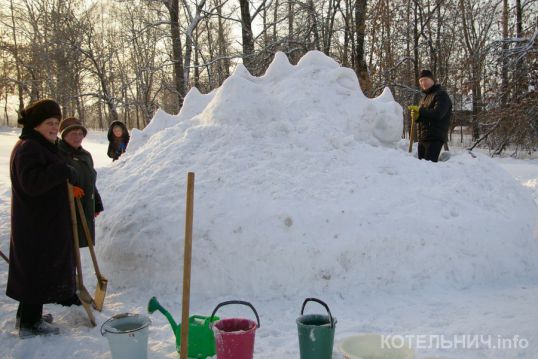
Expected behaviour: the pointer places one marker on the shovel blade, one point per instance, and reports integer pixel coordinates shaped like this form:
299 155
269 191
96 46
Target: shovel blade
100 293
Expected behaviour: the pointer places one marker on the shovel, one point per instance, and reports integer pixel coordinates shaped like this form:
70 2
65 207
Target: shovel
82 293
100 289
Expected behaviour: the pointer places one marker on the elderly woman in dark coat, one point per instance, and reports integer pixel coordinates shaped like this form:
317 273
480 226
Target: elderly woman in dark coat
73 133
41 261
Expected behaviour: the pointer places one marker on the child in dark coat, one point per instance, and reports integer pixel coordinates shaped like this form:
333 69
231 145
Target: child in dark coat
118 138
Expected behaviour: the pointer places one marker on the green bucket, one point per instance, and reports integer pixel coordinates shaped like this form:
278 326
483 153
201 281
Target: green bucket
316 333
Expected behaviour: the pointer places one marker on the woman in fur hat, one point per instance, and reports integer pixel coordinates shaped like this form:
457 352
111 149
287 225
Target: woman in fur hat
41 261
72 133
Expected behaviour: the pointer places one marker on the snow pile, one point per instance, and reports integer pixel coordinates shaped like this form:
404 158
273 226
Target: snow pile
194 103
303 186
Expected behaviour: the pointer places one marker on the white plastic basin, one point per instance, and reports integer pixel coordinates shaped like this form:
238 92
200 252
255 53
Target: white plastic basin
369 346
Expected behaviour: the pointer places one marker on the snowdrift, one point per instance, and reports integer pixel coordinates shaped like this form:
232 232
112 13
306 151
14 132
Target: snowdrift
303 186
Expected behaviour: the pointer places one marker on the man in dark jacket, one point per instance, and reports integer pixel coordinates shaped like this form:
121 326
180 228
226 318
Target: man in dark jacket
433 120
41 262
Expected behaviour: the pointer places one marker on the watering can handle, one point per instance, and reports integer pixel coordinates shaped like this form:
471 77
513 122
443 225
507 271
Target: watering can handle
320 302
235 302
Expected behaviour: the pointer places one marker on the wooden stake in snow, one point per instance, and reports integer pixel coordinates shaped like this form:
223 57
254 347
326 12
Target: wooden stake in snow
187 256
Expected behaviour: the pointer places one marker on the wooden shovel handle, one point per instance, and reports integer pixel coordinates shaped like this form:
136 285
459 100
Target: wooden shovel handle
187 258
83 295
88 235
75 232
412 133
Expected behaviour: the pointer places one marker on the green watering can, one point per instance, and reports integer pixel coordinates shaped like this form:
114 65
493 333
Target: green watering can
201 337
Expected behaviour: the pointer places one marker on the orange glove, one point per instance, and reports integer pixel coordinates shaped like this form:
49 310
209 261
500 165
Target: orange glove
78 192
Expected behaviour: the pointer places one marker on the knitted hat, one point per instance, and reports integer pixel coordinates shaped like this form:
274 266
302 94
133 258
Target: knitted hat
426 73
37 112
70 124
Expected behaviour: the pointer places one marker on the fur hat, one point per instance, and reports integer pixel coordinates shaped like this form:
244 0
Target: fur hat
37 112
426 73
70 124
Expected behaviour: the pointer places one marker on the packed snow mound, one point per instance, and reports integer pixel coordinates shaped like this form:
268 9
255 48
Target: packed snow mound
194 103
302 187
290 98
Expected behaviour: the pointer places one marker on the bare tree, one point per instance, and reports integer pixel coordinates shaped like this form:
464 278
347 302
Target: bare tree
476 25
360 62
16 57
177 52
247 36
105 60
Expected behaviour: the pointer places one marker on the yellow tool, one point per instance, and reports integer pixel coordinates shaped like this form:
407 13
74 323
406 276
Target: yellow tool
414 115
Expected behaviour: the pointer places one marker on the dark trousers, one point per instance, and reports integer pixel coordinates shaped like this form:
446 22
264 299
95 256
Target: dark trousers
29 313
429 150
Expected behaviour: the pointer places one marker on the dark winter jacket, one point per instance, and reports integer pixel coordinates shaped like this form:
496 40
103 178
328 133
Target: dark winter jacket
434 115
42 266
81 160
117 146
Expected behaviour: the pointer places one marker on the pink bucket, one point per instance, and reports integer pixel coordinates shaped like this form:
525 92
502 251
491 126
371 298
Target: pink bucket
234 337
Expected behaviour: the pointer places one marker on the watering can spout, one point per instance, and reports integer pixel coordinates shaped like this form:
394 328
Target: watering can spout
154 305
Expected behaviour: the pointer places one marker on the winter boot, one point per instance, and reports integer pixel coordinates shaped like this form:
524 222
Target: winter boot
39 328
46 317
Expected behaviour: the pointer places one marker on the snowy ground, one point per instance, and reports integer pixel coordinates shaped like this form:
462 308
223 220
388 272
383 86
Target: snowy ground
505 311
291 205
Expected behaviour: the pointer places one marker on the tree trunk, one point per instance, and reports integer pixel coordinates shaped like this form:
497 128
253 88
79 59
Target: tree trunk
189 41
290 23
17 62
438 70
519 22
109 100
6 115
504 55
416 62
265 29
334 5
314 23
361 69
196 68
347 33
521 79
79 105
248 39
101 124
275 19
477 96
224 63
177 54
188 55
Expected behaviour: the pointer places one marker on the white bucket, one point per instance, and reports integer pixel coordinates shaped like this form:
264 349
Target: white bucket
369 346
127 335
